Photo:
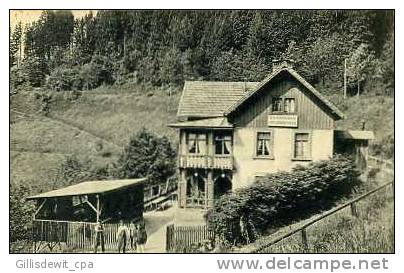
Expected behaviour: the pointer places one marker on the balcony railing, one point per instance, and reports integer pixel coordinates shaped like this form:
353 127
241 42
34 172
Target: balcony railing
224 162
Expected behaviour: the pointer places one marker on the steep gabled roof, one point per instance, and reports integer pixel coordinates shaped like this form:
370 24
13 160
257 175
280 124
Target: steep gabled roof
211 99
334 110
90 187
212 123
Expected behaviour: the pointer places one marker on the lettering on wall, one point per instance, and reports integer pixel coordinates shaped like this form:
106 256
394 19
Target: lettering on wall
282 120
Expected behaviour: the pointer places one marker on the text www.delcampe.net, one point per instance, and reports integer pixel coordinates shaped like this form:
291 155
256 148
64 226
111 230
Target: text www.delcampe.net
305 264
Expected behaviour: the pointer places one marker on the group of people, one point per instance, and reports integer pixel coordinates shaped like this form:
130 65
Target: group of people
133 237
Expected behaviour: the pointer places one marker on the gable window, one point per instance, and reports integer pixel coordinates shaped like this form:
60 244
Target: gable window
277 105
223 144
302 146
196 143
264 144
284 105
289 105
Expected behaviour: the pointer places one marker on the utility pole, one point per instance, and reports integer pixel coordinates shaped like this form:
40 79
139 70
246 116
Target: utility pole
345 78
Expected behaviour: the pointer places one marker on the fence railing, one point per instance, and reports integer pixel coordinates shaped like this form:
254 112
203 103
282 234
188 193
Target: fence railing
224 162
182 238
383 164
75 235
302 229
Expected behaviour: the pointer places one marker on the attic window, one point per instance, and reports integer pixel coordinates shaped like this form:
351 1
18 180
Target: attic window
284 105
277 105
289 105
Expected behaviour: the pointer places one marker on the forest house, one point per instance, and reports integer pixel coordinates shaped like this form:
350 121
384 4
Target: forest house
232 132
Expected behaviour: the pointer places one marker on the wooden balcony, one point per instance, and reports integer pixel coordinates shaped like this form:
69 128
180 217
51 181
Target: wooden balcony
223 162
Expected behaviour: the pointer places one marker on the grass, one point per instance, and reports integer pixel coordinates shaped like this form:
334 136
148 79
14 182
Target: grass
372 231
95 126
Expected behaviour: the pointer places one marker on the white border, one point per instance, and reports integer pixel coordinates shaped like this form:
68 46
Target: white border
186 263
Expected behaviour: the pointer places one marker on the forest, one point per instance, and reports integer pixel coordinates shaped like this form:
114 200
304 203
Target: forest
164 48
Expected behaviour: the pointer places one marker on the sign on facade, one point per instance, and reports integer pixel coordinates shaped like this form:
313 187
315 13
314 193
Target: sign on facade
282 120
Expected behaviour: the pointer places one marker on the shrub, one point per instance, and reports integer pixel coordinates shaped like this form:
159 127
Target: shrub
280 198
20 213
146 155
63 78
94 74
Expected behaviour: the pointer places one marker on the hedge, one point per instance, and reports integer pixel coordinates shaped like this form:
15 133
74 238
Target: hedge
281 198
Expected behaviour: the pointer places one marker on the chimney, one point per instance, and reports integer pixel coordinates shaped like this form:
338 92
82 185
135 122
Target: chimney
282 63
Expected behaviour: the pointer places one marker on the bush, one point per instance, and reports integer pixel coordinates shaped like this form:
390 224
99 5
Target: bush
94 74
63 79
146 155
20 213
280 198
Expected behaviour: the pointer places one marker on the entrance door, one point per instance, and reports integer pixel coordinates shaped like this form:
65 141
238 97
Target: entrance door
222 184
196 189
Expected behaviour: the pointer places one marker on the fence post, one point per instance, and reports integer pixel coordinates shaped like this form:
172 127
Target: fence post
304 240
169 237
354 211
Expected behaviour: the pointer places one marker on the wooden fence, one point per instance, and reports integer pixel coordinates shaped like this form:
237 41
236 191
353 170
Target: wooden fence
74 235
264 247
383 164
183 238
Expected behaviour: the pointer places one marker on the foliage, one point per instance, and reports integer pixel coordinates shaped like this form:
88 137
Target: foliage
359 64
64 78
16 41
146 155
165 48
371 232
20 212
73 170
279 198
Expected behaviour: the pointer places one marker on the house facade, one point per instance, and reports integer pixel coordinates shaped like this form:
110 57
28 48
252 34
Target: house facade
230 133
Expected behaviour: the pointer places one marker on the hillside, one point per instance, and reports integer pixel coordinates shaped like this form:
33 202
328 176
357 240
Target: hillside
93 127
99 122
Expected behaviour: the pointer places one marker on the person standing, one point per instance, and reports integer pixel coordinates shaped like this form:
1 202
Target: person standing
133 236
141 237
99 237
122 236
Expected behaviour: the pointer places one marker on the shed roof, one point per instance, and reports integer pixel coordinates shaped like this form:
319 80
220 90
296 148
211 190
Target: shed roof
90 187
354 134
299 78
219 122
211 99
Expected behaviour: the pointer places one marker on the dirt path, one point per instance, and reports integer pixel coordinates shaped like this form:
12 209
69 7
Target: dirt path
156 223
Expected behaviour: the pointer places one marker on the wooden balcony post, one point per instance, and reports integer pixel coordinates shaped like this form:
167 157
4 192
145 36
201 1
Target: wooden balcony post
210 190
182 189
98 207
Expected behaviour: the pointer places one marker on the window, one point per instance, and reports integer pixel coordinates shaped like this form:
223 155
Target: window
197 143
223 144
155 190
264 144
286 105
79 199
289 105
277 105
302 149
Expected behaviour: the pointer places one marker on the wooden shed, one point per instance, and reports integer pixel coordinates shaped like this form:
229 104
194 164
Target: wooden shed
68 215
